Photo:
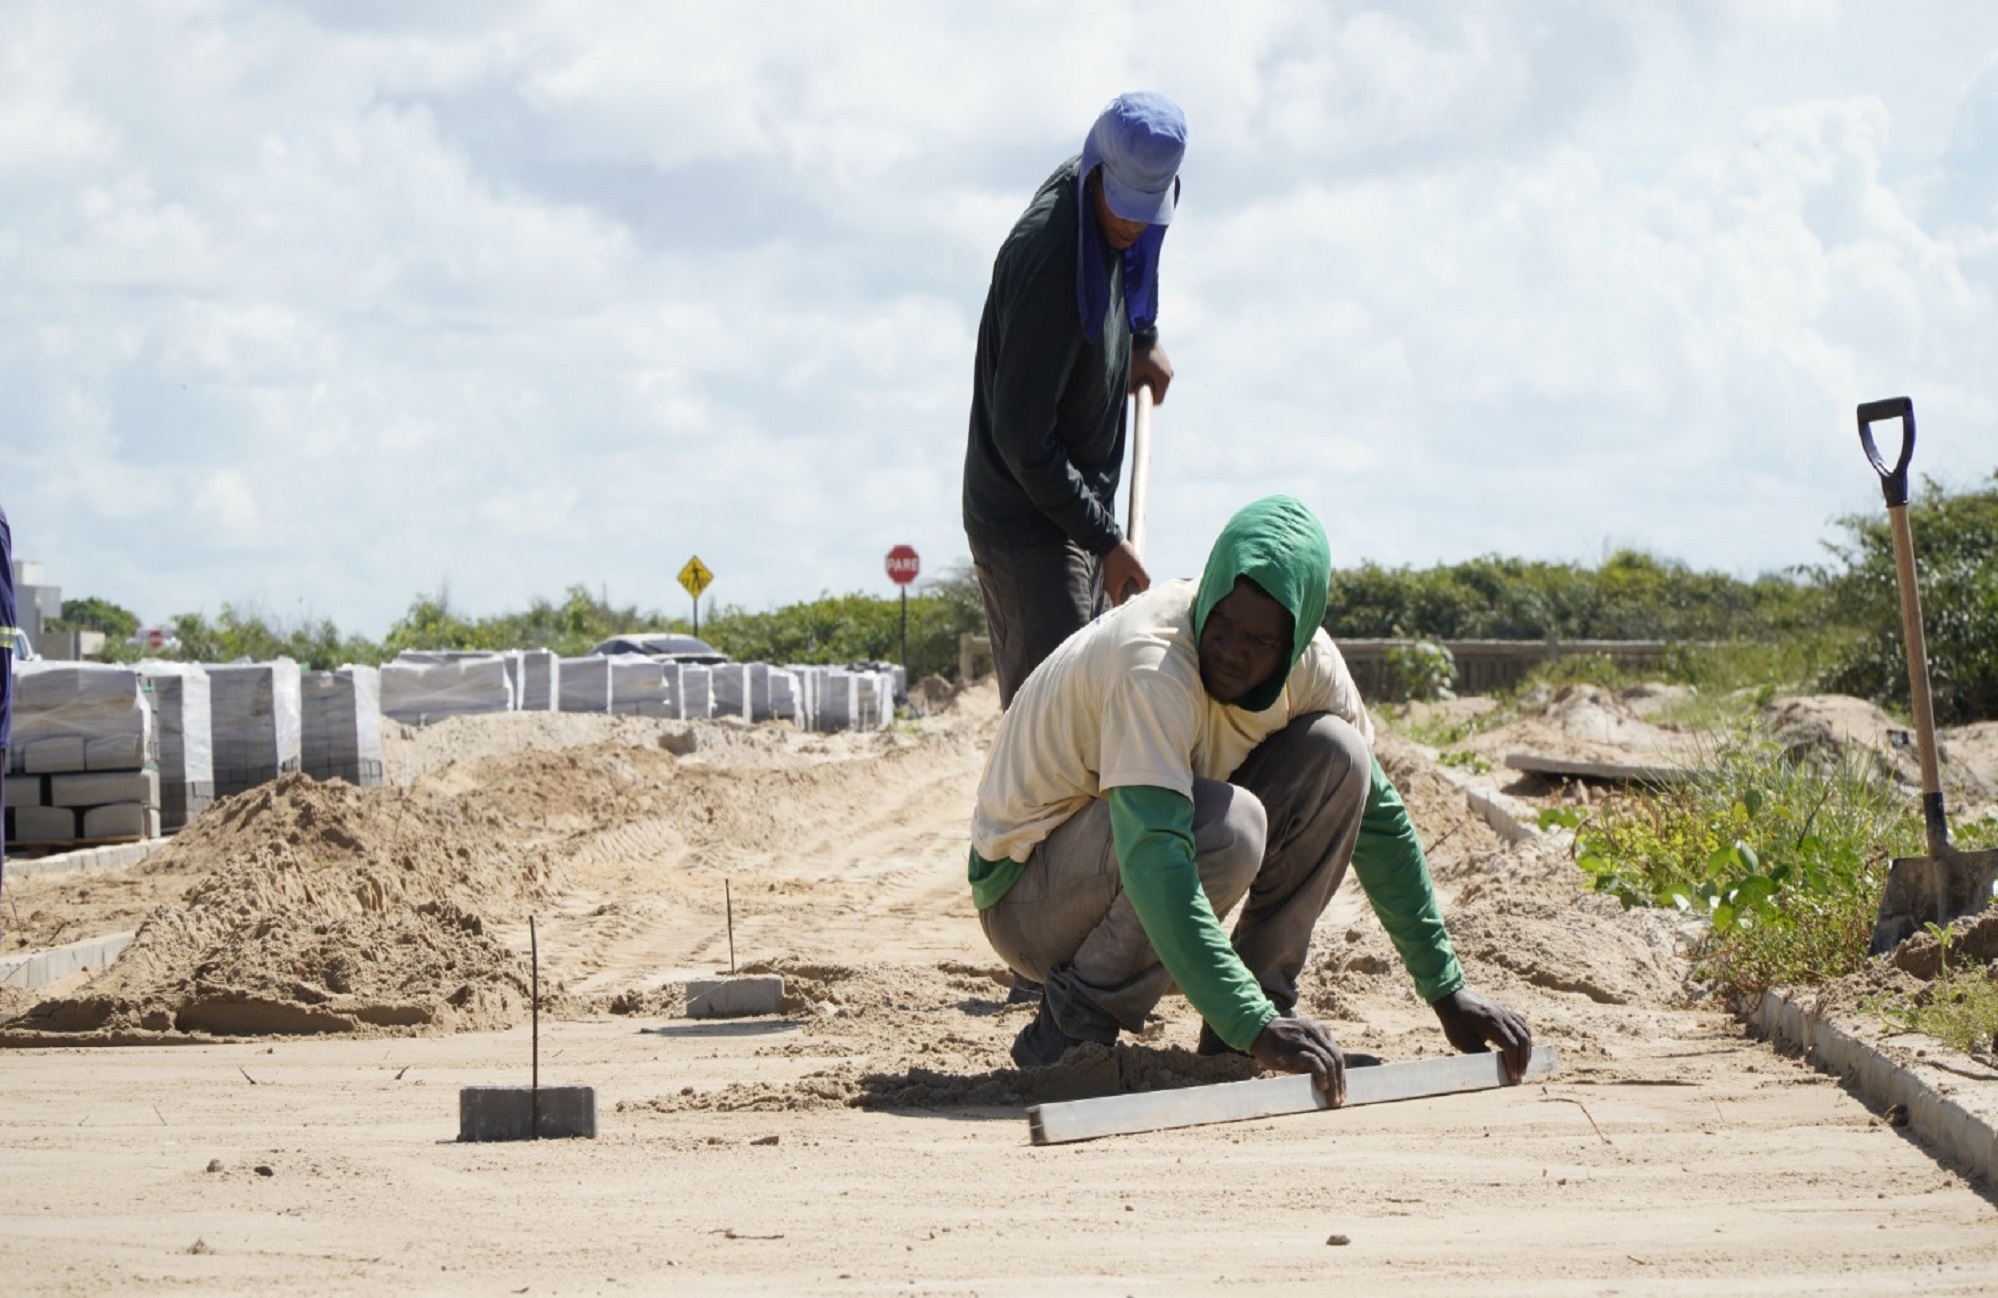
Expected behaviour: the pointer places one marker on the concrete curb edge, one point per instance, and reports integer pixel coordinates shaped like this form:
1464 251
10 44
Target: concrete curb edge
1940 1121
37 969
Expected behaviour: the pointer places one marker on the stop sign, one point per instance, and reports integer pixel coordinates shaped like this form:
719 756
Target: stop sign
903 565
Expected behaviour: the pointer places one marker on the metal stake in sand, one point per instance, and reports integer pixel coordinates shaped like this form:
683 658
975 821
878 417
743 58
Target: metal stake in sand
729 901
534 968
524 1113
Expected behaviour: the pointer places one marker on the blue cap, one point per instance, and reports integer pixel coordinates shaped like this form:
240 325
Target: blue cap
1139 141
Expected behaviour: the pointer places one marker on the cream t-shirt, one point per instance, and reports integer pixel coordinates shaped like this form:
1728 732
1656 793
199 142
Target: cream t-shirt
1120 703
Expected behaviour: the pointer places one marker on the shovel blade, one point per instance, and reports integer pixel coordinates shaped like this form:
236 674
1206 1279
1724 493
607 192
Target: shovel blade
1924 890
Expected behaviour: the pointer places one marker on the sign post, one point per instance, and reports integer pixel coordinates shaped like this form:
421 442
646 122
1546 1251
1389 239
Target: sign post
695 577
903 565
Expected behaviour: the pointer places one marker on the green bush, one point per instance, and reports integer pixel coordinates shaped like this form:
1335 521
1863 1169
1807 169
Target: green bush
1956 561
858 627
1786 858
316 644
1632 596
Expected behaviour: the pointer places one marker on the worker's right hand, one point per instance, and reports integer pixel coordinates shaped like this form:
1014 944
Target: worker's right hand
1122 570
1303 1046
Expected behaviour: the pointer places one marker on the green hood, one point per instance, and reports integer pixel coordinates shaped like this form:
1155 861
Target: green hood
1278 544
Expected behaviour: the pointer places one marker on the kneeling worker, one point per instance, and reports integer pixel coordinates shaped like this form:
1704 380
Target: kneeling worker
1202 743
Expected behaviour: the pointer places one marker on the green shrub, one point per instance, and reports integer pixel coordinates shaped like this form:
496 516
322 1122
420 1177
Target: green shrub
1956 561
1785 858
1631 596
1419 671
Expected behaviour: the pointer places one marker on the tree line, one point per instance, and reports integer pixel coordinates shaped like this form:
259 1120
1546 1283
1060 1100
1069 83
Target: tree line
1841 615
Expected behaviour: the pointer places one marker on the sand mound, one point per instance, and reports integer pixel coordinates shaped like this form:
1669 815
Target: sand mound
326 908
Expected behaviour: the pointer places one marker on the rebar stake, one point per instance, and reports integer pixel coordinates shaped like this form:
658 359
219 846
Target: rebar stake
534 965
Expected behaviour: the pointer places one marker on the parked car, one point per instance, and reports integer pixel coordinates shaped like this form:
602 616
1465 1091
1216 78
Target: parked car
673 648
18 642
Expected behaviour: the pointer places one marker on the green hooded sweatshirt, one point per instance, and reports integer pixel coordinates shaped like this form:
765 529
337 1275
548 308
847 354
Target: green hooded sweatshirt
1276 543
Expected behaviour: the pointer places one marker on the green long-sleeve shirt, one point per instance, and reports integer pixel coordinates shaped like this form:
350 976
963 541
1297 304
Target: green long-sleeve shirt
1152 829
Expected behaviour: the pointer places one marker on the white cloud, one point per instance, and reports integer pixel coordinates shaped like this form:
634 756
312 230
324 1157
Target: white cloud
340 302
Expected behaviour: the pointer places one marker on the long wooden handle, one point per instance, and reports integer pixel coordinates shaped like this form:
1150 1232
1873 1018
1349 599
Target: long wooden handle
1141 470
1919 703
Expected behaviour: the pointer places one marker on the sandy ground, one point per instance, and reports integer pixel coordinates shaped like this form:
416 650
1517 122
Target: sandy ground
335 964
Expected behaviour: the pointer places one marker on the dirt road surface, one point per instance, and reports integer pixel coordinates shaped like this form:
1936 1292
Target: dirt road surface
333 965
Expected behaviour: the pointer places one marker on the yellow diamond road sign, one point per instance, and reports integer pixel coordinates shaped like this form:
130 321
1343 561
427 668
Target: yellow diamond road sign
695 576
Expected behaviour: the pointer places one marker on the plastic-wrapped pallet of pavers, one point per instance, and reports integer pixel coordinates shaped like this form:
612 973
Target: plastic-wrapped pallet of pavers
644 687
183 713
80 717
341 725
540 675
422 688
256 723
784 701
82 757
583 684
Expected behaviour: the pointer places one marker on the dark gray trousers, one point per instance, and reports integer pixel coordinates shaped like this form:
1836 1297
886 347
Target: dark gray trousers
1280 830
1035 596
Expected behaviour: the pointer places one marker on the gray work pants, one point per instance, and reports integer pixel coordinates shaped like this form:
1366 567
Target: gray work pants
1280 830
1036 596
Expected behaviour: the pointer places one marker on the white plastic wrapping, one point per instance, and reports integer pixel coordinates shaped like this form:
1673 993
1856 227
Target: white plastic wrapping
421 688
81 717
183 712
583 684
645 687
539 680
255 712
341 725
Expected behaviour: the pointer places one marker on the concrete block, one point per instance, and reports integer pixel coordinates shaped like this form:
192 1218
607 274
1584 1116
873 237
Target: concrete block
44 824
121 820
697 695
53 756
100 787
114 752
507 1112
27 791
37 969
726 998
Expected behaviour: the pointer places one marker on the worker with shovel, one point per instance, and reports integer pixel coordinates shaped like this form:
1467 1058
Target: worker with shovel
1067 333
1201 744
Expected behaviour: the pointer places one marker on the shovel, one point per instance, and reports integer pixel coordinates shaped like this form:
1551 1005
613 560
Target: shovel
1945 884
1141 480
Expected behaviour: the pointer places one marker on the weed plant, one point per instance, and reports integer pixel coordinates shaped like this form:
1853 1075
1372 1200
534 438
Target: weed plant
1959 1008
1785 858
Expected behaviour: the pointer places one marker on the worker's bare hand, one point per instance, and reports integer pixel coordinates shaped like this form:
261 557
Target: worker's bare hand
1304 1046
1149 364
1474 1025
1124 573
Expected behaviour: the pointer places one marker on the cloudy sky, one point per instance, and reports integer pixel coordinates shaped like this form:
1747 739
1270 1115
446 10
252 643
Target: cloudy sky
315 307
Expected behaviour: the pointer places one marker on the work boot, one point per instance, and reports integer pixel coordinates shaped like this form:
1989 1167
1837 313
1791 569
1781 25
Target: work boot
1025 991
1042 1042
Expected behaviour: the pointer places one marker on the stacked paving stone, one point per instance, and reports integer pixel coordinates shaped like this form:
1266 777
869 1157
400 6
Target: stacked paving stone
183 721
583 684
738 690
255 711
697 691
538 676
340 725
419 688
784 703
644 687
82 761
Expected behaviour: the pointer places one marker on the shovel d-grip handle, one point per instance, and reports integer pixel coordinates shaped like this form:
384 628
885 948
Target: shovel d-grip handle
1893 481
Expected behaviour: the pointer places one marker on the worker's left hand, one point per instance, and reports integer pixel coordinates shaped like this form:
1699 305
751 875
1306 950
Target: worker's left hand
1474 1025
1149 364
